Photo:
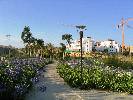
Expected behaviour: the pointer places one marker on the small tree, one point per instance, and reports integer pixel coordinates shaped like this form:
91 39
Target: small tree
27 38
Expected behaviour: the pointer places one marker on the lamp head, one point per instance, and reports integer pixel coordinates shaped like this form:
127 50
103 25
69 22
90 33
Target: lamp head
81 27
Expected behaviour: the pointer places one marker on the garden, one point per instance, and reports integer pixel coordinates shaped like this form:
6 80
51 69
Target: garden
111 74
17 76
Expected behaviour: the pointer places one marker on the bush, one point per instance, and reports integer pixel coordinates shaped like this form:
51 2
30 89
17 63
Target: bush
18 76
97 77
116 62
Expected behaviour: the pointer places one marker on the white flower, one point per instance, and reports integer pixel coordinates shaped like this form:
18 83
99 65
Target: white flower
129 73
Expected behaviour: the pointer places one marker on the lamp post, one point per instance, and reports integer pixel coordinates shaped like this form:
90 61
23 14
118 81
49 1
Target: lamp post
81 28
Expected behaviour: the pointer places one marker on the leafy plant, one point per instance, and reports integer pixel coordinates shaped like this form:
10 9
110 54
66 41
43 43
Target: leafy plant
97 76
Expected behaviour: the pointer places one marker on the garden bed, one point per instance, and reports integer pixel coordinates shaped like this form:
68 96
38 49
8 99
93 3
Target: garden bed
18 76
97 76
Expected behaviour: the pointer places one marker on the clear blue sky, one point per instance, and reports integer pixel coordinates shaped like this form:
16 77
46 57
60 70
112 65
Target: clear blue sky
45 18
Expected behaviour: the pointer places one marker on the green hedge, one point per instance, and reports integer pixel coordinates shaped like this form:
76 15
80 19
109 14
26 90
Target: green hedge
97 77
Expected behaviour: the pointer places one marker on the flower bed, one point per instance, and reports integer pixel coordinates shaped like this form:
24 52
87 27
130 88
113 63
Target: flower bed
97 77
18 76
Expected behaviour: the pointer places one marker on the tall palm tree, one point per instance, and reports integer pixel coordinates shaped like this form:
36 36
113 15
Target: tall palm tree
50 50
40 44
62 49
68 38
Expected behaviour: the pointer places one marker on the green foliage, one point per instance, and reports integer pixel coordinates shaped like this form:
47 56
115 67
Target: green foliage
97 77
112 61
26 35
125 53
105 51
18 76
33 45
63 47
116 62
67 37
40 42
71 76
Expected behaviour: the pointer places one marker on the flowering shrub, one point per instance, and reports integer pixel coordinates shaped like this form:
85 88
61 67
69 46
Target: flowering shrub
18 76
97 76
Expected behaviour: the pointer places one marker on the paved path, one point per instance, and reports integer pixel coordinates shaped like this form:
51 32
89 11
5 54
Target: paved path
56 89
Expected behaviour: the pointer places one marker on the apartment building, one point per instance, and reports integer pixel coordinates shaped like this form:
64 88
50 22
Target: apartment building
87 45
110 46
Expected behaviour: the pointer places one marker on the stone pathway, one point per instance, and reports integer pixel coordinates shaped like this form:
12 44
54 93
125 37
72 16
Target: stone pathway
57 89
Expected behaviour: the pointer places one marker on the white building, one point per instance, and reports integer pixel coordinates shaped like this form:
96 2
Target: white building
109 46
87 45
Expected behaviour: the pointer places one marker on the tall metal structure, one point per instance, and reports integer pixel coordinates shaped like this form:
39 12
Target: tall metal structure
80 29
121 26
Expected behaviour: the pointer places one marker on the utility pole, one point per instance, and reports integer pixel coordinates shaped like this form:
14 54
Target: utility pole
8 37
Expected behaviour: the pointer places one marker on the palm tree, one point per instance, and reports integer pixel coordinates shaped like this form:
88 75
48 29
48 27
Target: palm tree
50 50
40 44
68 38
62 49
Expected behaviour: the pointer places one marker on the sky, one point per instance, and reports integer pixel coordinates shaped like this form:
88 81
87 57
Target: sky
48 19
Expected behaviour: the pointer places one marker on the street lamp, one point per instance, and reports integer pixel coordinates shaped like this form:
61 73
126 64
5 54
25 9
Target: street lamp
81 28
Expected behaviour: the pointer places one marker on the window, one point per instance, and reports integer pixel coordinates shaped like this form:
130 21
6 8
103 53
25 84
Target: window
111 46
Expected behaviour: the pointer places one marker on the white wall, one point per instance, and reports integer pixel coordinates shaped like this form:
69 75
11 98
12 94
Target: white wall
112 46
87 45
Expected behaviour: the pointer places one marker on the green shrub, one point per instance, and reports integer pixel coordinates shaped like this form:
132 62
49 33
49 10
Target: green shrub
97 77
116 62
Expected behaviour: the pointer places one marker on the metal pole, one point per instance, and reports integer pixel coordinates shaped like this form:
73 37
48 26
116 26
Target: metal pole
81 55
8 36
81 28
9 52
